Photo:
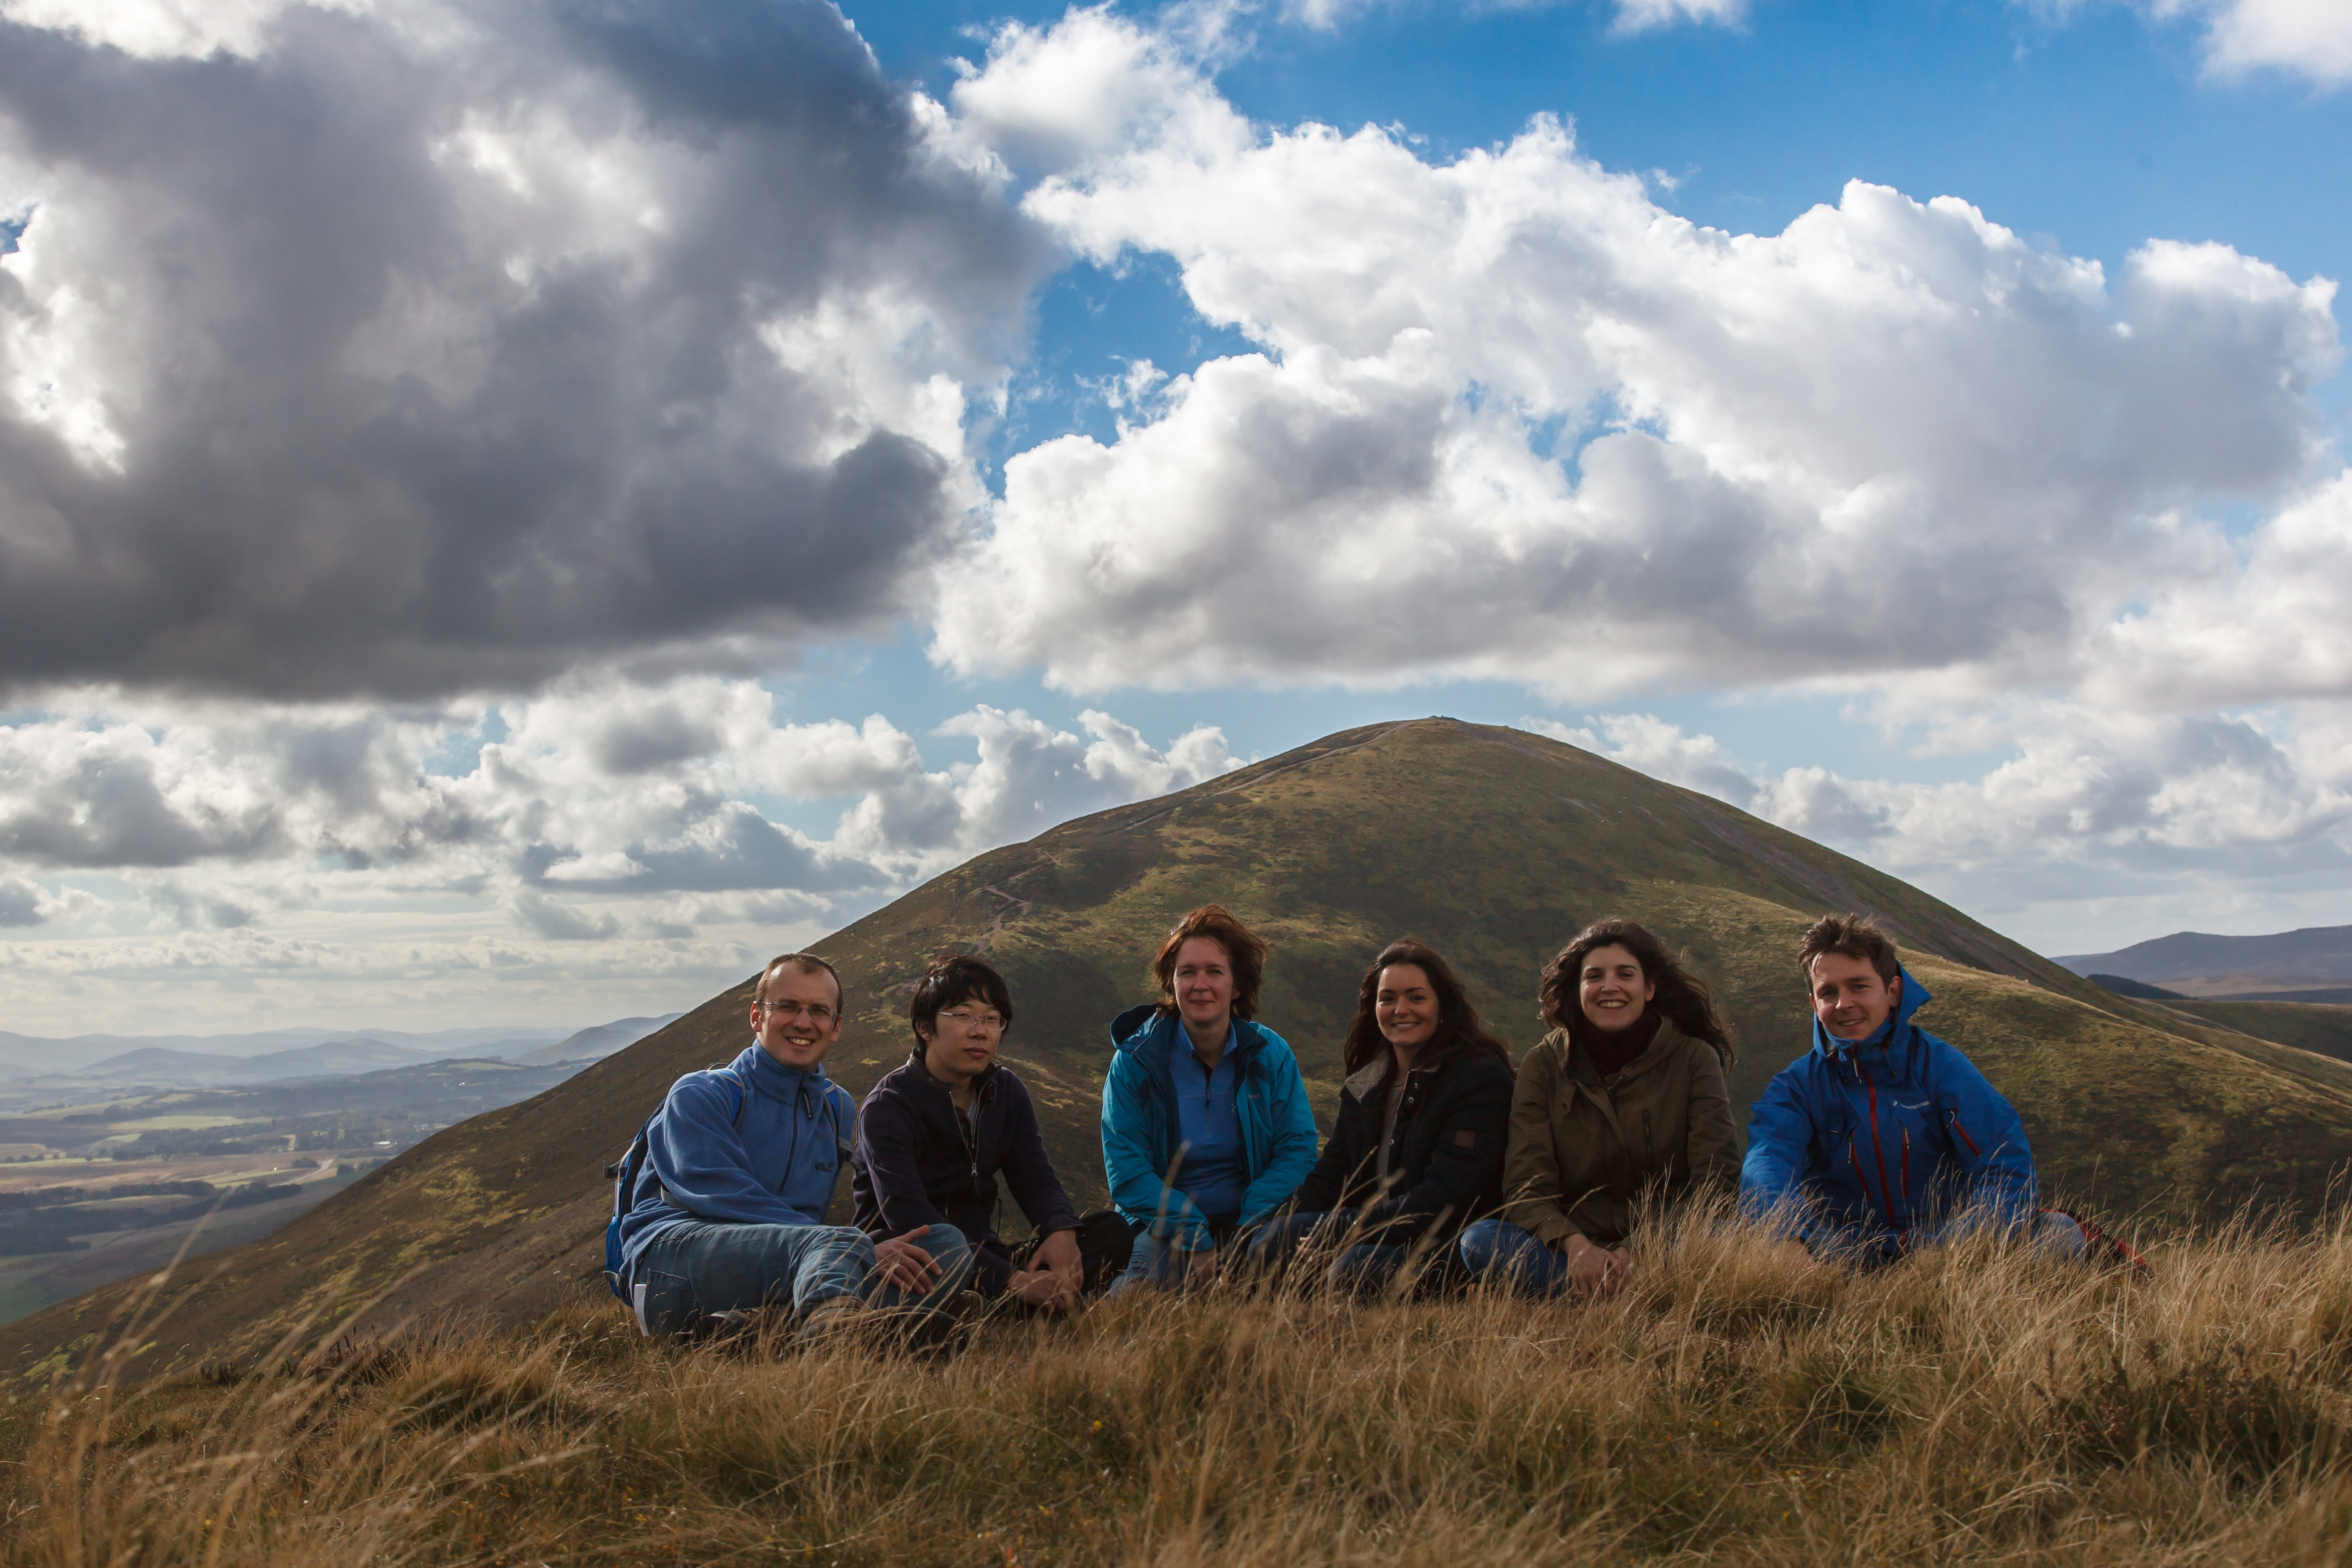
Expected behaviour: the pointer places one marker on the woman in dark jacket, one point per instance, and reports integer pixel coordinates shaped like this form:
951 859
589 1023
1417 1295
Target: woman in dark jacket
1626 1092
1425 1117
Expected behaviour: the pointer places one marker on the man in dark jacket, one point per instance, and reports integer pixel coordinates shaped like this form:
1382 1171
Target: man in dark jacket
1424 1120
934 1135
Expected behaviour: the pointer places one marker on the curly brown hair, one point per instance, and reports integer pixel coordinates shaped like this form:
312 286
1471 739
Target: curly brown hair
1682 997
1244 949
1458 1028
1850 935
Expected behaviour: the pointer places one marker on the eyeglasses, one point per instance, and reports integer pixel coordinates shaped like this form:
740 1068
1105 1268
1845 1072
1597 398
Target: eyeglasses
965 1018
818 1012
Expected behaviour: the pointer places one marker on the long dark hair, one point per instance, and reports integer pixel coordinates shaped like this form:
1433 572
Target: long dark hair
1458 1028
1682 998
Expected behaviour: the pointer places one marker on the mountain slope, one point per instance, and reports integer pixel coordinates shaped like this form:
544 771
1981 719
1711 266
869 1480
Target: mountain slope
1493 844
601 1040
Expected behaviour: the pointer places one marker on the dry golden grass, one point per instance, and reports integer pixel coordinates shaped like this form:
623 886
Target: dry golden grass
1977 1404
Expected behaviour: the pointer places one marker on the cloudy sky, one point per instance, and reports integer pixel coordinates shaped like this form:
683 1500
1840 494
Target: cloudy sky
513 510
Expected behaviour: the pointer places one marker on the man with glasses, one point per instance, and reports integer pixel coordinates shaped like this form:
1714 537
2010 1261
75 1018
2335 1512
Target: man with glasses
935 1134
727 1212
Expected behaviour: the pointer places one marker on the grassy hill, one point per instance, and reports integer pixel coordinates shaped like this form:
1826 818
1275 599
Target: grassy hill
2323 1028
1493 844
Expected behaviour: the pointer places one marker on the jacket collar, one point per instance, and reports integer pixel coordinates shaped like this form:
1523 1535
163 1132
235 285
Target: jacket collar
772 1077
983 1087
1365 1080
1150 1023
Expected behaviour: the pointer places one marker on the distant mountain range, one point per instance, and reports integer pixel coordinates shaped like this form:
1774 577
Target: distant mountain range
223 1058
594 1044
2311 964
80 1051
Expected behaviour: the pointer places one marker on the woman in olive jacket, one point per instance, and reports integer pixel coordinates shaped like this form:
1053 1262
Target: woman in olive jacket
1424 1118
1627 1090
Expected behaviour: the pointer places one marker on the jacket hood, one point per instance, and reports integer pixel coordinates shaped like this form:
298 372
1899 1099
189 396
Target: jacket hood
1127 1030
1914 997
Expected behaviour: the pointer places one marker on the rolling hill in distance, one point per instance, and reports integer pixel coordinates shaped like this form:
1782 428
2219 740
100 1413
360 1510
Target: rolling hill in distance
601 1040
2311 964
78 1053
1495 845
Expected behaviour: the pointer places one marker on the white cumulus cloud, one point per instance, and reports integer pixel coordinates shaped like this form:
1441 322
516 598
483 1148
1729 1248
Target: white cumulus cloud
1508 418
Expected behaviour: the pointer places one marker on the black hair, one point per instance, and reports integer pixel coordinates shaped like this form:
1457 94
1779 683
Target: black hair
951 983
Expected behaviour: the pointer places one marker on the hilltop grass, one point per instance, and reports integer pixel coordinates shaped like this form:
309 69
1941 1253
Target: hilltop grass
1973 1405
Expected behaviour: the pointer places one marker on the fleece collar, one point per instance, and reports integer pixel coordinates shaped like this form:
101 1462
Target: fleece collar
772 1077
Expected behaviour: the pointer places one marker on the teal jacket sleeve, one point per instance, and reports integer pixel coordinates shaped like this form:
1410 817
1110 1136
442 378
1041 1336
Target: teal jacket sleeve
1290 1119
1137 1188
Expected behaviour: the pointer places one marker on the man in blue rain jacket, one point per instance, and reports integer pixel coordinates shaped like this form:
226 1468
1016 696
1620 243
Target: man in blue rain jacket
1882 1138
1206 1126
727 1214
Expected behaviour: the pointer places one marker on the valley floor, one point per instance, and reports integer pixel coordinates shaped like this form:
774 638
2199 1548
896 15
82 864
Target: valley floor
1968 1406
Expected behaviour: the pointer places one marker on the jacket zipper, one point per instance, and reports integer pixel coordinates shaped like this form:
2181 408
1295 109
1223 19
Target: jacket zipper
1907 1167
1878 1150
1964 1133
1649 1140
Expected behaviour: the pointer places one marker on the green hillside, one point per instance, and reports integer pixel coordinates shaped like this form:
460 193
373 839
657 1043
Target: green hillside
1493 844
2324 1028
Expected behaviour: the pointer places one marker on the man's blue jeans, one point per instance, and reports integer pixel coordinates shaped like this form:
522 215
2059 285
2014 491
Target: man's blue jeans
1364 1268
1498 1252
692 1270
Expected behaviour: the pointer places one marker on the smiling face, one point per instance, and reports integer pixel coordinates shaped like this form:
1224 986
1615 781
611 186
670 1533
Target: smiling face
1405 1007
1204 984
963 1040
1612 989
801 1018
1850 997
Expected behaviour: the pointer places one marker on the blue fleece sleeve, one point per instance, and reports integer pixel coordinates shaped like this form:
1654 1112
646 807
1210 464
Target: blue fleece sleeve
1779 1153
695 1150
1140 1191
1292 1119
1987 1139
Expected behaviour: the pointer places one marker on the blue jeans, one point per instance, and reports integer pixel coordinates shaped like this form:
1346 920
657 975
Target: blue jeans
1156 1262
1496 1251
1364 1268
692 1270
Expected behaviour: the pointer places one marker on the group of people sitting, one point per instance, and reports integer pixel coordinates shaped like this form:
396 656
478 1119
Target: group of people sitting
1445 1167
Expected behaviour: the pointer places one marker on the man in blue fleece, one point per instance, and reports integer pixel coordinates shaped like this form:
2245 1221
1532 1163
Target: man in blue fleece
1884 1138
728 1214
1206 1128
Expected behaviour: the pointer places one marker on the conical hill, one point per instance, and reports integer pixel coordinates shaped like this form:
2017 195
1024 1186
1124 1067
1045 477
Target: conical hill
1492 844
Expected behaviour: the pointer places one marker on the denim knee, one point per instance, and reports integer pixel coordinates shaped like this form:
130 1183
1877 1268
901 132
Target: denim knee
1482 1246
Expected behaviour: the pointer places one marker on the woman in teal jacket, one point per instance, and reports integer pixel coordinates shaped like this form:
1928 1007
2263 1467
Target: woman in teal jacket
1206 1128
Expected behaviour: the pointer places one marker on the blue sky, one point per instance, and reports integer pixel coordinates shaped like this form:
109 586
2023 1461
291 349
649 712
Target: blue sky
2005 544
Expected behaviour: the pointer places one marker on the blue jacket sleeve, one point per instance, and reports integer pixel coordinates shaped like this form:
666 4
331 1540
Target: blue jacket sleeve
1141 1191
1987 1139
1292 1120
694 1149
1780 1153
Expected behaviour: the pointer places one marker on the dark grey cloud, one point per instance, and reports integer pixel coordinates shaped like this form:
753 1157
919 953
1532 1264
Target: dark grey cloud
731 848
382 414
20 903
